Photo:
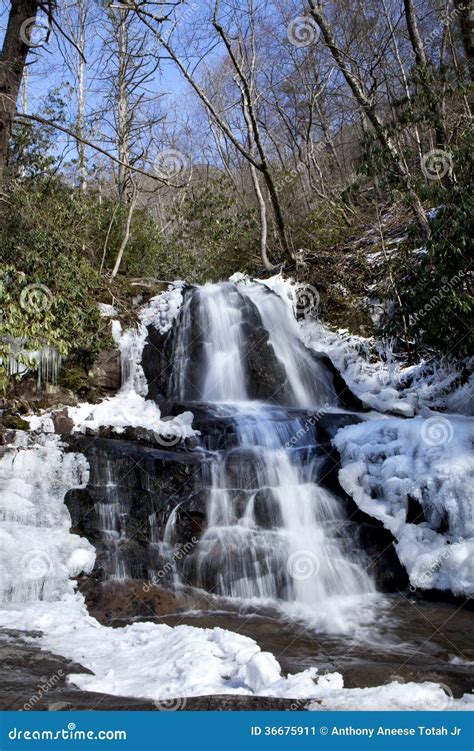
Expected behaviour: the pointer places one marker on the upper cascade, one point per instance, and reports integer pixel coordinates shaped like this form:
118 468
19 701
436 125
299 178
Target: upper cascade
235 343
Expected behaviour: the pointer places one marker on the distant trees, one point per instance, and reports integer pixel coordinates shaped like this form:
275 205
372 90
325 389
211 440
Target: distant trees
295 124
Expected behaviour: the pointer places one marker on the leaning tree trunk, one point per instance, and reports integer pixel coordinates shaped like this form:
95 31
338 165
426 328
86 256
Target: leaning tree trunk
12 63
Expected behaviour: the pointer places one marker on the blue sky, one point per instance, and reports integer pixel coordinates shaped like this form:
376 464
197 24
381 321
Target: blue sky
47 71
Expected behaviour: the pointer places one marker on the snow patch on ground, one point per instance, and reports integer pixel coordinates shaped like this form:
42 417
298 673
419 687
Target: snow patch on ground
155 661
107 311
429 458
394 696
162 663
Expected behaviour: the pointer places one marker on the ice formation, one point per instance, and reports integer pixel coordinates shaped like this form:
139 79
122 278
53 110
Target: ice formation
430 459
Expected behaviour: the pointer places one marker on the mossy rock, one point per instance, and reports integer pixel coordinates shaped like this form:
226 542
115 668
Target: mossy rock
14 422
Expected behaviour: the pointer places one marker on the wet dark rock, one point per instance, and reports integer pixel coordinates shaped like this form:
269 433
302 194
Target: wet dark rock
159 354
378 542
63 424
346 396
266 377
105 372
244 468
27 390
415 512
142 485
156 358
116 600
12 421
266 509
330 423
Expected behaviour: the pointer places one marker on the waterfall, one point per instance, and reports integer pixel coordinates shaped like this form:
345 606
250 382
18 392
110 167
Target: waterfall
273 533
224 330
222 321
308 383
112 514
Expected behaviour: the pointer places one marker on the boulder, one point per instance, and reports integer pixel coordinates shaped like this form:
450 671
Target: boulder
63 423
106 370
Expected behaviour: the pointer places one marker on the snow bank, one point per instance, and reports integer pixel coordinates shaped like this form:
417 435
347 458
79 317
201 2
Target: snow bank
162 663
37 552
129 409
387 384
155 661
430 459
426 696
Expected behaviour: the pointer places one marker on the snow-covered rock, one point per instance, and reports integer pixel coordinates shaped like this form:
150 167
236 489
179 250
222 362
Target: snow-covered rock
38 553
163 663
430 459
386 383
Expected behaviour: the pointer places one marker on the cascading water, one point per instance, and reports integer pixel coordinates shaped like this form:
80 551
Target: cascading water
308 384
112 515
222 329
222 322
273 533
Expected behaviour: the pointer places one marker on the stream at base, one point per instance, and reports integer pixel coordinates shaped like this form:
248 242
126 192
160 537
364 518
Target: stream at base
414 641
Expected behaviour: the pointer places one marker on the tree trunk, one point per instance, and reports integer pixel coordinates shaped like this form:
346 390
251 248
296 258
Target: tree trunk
12 63
81 147
126 236
263 220
414 34
123 124
466 24
425 76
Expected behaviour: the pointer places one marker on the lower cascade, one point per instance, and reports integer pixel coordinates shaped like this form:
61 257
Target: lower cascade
272 530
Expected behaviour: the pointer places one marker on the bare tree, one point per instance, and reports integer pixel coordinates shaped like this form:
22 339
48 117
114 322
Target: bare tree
259 160
76 17
369 108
